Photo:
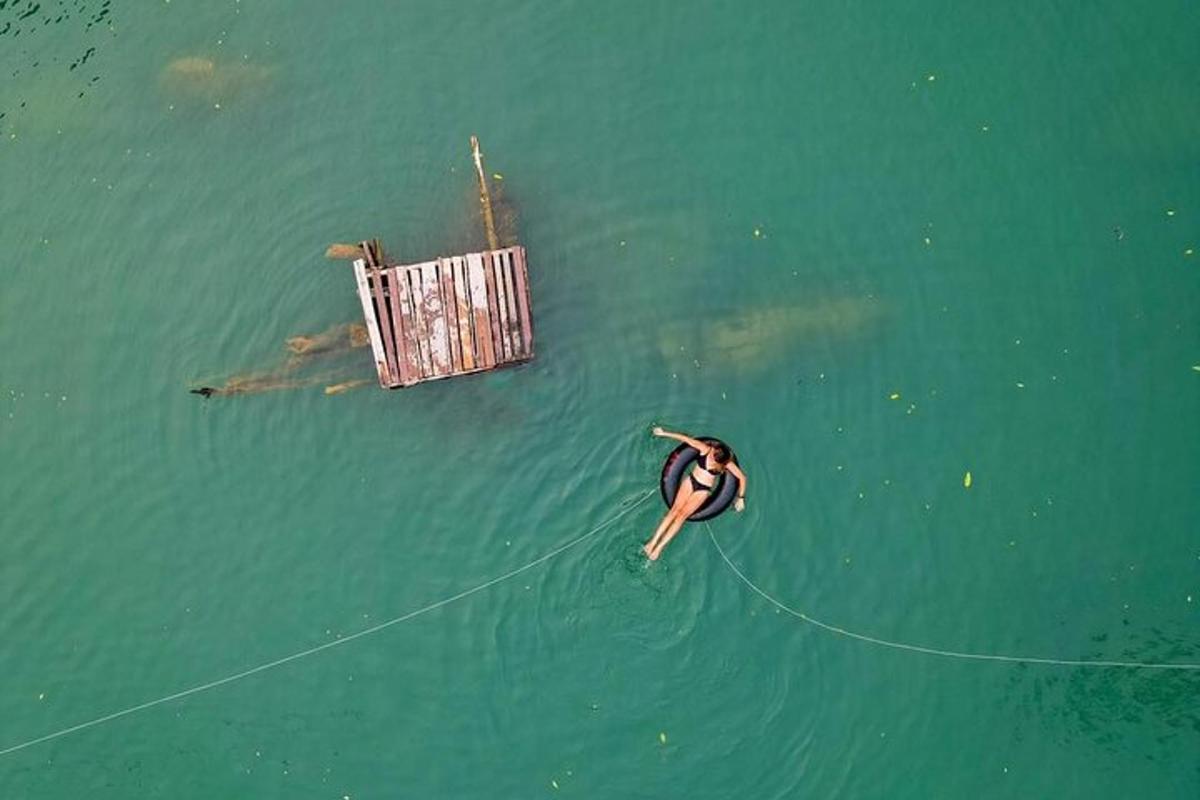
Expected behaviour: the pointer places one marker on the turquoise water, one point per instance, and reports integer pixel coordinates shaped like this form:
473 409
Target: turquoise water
760 224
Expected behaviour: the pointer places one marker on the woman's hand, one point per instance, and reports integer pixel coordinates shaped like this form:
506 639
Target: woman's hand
739 504
657 430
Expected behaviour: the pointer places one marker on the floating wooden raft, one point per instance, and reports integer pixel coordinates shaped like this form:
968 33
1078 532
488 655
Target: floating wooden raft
452 316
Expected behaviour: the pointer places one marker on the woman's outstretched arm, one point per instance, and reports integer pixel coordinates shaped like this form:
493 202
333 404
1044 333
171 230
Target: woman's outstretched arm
736 472
682 437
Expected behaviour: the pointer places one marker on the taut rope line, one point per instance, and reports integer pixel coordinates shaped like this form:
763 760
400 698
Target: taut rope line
934 651
237 676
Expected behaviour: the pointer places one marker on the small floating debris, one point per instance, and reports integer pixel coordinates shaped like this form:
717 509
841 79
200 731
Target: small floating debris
894 396
967 480
662 737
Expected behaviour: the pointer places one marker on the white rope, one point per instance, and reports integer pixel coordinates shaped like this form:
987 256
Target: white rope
237 676
934 651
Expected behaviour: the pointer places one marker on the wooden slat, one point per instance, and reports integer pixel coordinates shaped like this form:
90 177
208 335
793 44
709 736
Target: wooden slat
410 370
417 297
514 323
412 348
501 304
385 326
493 310
485 347
393 296
435 319
462 300
521 276
446 282
364 296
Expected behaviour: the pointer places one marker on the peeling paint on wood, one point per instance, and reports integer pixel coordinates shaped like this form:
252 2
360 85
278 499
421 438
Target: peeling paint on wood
452 316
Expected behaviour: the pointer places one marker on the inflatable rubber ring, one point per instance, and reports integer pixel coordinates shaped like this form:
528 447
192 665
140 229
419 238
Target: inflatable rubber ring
678 465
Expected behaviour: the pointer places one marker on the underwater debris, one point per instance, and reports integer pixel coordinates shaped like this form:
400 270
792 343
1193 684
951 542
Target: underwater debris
304 349
756 337
343 252
207 80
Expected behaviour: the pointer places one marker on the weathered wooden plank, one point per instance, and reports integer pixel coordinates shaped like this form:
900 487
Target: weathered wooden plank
407 324
493 309
521 289
462 300
364 296
385 326
446 282
497 262
408 317
514 323
417 297
409 368
435 319
484 343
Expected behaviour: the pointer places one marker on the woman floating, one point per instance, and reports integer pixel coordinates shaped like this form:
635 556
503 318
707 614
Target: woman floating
712 460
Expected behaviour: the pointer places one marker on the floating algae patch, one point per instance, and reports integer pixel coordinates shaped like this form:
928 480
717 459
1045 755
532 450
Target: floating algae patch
203 79
757 338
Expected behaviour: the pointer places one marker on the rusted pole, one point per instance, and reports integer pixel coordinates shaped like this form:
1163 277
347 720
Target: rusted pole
485 199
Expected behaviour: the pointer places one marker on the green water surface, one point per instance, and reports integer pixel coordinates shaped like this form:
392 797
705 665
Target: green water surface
874 246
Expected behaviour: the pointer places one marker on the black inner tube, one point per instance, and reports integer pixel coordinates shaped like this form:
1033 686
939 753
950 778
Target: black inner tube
676 469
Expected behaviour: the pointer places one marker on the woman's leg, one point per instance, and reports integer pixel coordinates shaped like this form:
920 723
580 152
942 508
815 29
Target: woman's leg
690 506
682 498
667 519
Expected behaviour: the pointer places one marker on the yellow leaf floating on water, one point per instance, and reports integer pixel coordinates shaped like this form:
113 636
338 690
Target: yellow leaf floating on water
894 396
497 176
967 480
662 737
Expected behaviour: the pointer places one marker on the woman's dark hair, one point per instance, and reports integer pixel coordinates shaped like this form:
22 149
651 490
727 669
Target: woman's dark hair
720 453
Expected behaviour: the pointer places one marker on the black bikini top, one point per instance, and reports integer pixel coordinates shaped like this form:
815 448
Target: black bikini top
702 462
